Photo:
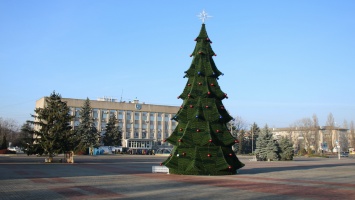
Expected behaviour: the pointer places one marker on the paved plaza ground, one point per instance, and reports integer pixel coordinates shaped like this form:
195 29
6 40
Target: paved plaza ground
131 177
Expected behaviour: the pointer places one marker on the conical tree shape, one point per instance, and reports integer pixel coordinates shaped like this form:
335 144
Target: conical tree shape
202 141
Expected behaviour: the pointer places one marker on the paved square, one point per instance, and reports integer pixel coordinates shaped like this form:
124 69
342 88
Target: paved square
131 177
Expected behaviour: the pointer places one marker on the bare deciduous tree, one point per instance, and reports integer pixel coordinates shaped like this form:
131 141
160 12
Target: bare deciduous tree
237 127
10 129
316 132
328 136
308 129
352 134
305 128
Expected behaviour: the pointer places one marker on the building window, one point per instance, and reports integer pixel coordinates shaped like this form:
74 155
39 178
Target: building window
144 116
120 114
128 125
104 114
152 117
95 113
136 116
113 112
103 126
128 116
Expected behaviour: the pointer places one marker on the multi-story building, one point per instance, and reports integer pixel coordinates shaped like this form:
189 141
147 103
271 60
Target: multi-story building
326 138
143 125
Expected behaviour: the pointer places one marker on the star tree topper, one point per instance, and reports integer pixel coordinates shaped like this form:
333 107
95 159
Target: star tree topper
203 16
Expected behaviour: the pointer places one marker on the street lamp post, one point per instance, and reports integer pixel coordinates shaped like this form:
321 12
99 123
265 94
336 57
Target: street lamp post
338 142
252 140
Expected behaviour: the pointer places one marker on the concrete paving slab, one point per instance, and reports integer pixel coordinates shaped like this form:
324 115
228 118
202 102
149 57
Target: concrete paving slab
131 177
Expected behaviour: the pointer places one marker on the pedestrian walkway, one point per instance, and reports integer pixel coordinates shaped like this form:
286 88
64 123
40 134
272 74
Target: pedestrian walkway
131 177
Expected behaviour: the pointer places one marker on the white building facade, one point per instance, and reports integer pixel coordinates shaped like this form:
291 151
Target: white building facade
143 125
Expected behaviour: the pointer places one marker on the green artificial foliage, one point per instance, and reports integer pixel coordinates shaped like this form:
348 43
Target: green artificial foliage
52 133
87 131
113 133
202 142
286 149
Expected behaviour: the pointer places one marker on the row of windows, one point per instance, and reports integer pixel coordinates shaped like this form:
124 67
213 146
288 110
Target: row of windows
137 115
138 122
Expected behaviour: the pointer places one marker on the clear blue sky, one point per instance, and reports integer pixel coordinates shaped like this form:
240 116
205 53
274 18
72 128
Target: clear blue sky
282 60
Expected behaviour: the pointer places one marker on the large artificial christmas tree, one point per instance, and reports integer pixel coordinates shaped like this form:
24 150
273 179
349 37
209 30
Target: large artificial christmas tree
202 142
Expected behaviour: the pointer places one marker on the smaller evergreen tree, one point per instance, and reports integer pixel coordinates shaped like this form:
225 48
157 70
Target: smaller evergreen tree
26 138
286 149
266 147
272 150
113 134
53 133
87 131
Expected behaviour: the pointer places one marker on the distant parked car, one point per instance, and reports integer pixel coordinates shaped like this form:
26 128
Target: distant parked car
344 154
11 149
